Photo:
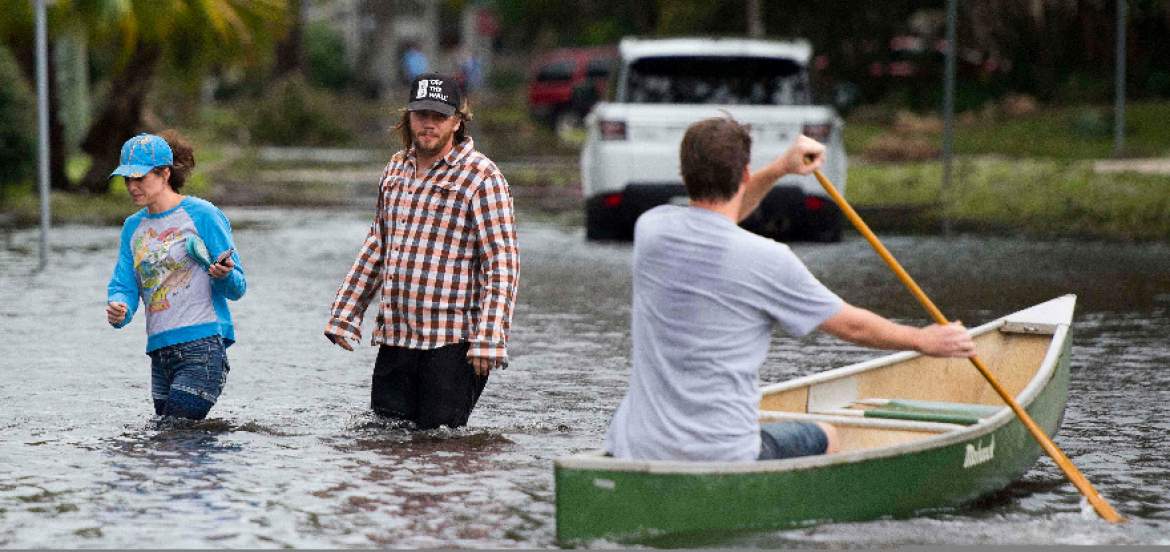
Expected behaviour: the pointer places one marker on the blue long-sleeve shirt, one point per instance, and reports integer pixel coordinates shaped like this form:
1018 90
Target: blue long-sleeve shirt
183 303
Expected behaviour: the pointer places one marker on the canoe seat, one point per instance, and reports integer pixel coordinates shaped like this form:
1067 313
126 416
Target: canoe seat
916 410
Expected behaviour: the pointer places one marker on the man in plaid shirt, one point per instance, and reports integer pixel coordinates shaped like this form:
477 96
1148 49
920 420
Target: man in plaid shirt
442 252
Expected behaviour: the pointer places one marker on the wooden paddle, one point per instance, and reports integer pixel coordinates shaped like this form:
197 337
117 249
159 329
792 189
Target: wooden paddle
1074 475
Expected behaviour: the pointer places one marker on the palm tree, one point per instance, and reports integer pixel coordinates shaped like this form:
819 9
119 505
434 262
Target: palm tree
187 37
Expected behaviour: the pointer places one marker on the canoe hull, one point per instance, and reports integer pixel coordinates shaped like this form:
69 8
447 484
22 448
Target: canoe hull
647 506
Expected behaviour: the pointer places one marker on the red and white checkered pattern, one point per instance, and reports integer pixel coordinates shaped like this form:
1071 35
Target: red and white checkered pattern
442 250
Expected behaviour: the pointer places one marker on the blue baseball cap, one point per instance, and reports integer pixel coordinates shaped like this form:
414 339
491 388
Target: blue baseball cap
143 153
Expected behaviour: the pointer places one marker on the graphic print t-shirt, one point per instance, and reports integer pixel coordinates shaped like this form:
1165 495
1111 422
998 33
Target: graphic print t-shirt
176 291
181 301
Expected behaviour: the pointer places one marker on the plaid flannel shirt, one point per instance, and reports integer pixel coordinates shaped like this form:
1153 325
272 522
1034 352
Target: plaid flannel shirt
442 250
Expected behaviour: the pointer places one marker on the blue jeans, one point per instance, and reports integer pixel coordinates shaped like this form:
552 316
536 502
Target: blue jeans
791 439
187 378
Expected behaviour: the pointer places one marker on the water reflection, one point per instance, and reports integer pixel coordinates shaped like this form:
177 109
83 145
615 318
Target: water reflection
431 484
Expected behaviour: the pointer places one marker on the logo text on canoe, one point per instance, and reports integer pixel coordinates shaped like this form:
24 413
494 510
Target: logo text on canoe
978 453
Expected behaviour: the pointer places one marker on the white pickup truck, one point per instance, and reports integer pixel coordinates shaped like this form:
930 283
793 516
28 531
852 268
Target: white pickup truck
630 160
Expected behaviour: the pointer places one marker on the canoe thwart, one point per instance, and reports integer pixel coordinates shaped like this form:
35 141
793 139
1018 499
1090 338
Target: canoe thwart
920 411
844 416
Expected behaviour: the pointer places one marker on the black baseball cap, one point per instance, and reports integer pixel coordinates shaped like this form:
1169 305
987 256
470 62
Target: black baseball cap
435 92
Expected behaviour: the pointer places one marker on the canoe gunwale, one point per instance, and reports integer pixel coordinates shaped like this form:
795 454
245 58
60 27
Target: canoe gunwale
1006 322
597 460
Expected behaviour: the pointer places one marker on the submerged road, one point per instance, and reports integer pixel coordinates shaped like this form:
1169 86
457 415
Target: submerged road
292 458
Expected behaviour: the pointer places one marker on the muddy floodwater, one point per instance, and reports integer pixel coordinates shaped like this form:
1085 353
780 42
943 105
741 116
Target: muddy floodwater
290 456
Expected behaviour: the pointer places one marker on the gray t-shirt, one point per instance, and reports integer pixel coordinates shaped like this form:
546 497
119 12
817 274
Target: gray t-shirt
706 294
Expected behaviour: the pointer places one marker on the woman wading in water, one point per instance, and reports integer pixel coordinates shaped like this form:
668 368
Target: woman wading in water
177 256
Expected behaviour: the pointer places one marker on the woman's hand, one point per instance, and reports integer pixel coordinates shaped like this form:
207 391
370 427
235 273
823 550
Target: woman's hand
115 313
221 269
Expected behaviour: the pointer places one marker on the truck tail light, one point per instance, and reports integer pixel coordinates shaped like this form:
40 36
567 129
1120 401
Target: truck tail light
813 203
612 130
817 131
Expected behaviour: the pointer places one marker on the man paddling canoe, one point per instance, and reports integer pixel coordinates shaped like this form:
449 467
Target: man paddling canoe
706 295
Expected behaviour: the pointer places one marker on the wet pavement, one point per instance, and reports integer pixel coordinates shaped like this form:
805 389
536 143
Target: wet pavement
290 457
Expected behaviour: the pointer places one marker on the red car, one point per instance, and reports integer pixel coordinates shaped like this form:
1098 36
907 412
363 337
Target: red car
568 81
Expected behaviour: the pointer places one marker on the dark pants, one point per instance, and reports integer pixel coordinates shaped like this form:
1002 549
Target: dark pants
430 387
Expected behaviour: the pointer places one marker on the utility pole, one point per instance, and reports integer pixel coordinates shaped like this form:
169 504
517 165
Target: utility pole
755 19
1119 85
948 145
43 129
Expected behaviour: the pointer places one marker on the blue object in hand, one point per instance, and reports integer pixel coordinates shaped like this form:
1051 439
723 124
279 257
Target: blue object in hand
197 250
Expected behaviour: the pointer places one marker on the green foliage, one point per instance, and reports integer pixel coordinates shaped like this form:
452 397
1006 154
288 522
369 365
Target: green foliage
23 204
1086 87
1146 130
1075 132
325 52
1059 51
1036 197
601 31
1158 83
680 18
132 42
507 78
224 123
893 184
77 165
292 112
18 131
1029 173
542 24
194 34
1093 122
17 23
22 201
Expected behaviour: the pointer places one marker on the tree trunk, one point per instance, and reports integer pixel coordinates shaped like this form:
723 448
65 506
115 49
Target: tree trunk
290 55
121 117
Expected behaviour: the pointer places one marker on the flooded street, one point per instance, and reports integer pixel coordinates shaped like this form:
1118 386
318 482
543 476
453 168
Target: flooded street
290 456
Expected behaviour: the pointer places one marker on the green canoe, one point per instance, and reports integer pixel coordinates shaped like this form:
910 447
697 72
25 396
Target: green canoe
918 434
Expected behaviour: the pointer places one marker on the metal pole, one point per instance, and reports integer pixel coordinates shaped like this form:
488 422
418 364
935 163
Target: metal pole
948 112
755 19
1119 85
43 129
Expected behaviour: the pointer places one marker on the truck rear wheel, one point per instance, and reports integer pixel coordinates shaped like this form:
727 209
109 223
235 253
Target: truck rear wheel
599 227
776 216
829 235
